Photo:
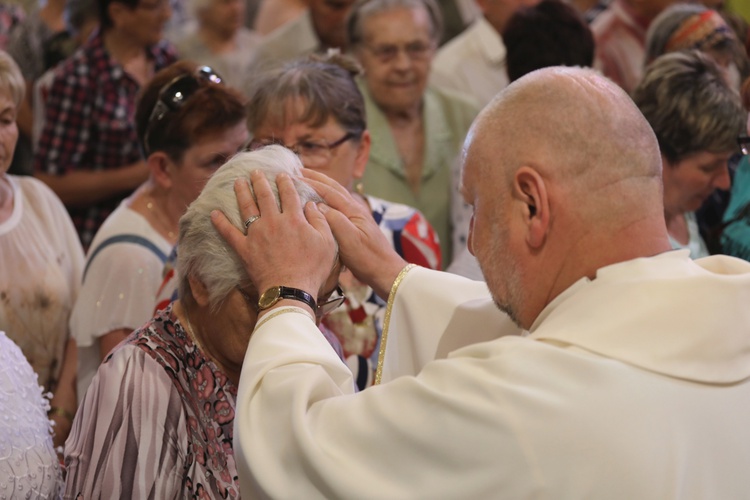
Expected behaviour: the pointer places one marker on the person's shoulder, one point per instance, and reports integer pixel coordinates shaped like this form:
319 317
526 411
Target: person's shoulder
458 105
293 39
38 194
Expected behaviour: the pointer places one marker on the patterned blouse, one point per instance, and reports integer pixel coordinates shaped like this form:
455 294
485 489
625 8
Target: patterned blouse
156 422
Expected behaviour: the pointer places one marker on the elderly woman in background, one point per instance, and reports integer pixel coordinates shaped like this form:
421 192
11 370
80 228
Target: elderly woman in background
417 131
41 261
696 117
189 124
685 26
314 107
218 38
172 437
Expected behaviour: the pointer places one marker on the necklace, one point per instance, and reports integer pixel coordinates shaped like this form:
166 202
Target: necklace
156 214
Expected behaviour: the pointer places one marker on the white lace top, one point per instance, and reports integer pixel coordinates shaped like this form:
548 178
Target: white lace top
28 465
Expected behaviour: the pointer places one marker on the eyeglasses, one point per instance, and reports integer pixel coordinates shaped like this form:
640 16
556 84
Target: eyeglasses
313 154
417 51
326 304
744 142
173 96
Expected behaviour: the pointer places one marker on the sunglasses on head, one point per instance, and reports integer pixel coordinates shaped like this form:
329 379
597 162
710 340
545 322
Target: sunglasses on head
173 96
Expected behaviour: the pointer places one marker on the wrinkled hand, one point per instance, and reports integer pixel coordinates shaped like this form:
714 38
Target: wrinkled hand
293 248
363 247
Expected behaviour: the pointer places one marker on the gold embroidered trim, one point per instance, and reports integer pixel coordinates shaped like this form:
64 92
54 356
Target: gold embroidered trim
288 309
387 321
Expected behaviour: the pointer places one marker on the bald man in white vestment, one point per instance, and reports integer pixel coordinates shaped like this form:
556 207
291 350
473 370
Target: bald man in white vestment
627 376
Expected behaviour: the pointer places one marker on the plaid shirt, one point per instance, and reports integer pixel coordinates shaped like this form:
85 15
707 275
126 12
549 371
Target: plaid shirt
90 122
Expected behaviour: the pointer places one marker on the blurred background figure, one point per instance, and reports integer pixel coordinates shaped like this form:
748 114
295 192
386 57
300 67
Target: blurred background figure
474 62
620 34
693 26
273 14
88 152
551 33
417 131
696 116
189 123
735 236
161 407
28 464
314 107
218 38
10 17
81 19
41 261
320 27
48 35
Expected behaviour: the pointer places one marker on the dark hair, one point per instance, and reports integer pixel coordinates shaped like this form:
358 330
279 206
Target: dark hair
212 109
552 33
365 8
326 86
104 20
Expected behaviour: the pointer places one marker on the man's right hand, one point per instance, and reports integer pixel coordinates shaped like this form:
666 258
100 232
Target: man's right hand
363 247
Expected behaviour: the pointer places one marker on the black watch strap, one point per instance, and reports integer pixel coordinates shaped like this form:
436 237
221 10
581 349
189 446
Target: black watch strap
276 293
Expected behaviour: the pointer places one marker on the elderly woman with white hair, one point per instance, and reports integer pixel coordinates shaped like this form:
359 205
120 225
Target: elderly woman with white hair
218 38
171 437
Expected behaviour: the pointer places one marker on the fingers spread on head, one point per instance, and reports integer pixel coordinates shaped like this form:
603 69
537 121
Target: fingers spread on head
288 194
316 218
226 229
266 200
245 200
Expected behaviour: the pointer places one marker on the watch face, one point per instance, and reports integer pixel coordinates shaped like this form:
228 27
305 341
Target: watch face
269 297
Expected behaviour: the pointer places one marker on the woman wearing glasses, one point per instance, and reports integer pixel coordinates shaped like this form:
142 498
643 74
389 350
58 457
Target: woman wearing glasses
188 125
157 421
314 107
696 117
417 131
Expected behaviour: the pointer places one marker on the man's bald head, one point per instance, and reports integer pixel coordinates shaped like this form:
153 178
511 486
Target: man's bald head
564 174
573 125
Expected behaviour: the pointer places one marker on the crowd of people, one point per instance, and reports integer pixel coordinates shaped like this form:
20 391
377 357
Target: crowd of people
374 249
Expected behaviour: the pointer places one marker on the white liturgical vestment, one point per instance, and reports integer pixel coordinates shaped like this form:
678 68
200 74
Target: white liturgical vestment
633 385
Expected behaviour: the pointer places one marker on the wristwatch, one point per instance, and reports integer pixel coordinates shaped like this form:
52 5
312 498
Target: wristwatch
276 293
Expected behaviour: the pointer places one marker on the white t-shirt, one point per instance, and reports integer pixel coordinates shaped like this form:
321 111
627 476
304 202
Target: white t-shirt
119 286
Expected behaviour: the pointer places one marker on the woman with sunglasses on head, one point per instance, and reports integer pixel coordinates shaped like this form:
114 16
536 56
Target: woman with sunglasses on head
158 419
189 123
314 107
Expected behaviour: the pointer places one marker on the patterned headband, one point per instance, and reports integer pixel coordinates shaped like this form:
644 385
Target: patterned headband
700 31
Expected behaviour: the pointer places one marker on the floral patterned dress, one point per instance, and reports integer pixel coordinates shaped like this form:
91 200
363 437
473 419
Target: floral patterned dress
156 422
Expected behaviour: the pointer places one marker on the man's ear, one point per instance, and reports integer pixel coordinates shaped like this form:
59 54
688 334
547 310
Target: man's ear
200 293
532 191
162 169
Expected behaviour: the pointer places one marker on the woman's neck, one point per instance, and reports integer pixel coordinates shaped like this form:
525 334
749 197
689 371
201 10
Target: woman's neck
6 198
153 203
194 324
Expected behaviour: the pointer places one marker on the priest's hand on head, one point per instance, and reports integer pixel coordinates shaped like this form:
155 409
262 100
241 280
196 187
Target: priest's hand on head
293 248
363 247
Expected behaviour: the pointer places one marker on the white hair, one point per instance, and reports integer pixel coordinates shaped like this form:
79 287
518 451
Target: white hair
202 252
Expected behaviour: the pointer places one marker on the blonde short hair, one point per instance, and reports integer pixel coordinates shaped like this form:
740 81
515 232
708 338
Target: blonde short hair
11 79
